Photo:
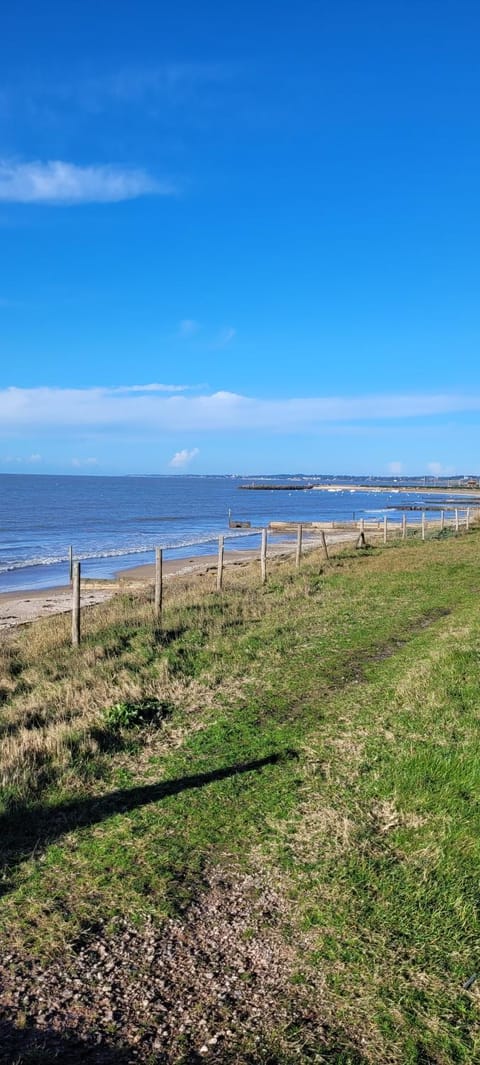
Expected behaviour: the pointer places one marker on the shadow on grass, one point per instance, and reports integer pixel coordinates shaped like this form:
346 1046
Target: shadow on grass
24 831
34 1046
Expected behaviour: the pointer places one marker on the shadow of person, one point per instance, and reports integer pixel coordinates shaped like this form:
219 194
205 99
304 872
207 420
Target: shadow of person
26 830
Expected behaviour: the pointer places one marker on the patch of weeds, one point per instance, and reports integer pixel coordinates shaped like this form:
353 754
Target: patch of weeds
443 534
125 715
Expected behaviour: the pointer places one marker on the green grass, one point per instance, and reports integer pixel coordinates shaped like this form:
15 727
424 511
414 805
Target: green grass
368 668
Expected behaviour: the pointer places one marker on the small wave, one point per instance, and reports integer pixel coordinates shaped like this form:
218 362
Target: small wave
119 552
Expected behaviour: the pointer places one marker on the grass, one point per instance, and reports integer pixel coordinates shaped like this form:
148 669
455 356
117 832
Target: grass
323 729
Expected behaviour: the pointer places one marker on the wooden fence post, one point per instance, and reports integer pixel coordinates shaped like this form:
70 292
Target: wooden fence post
385 529
76 605
220 563
456 519
362 525
298 552
442 520
404 527
324 542
467 519
423 524
70 564
263 556
158 581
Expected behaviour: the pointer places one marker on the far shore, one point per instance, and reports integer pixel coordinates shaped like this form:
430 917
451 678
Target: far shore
404 489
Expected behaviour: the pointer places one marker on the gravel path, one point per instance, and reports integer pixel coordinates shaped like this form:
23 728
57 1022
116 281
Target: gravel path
210 986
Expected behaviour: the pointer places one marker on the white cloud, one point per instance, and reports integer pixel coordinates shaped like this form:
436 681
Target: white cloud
7 460
436 469
187 328
220 338
56 182
396 468
172 83
183 87
142 409
182 458
224 337
84 462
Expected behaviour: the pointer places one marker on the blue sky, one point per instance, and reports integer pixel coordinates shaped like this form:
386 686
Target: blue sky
240 237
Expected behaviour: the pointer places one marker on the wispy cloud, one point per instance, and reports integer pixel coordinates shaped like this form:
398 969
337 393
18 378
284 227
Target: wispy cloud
224 337
57 182
142 410
125 389
164 86
188 327
29 460
78 463
213 340
182 458
171 83
437 469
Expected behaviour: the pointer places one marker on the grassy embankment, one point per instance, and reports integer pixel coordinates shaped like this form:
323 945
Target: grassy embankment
314 741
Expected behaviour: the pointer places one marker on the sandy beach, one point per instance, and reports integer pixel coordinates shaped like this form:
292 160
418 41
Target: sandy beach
20 608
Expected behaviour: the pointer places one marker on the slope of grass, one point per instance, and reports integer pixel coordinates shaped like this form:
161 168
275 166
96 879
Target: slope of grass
323 729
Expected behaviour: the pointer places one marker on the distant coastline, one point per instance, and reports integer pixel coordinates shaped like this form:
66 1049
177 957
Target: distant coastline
393 487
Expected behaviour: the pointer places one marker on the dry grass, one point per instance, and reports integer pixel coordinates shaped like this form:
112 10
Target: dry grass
54 697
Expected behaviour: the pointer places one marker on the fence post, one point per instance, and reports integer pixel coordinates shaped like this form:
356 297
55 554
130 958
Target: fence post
298 553
70 564
442 520
467 519
385 529
362 525
158 581
423 524
456 519
76 605
404 527
220 563
263 556
324 542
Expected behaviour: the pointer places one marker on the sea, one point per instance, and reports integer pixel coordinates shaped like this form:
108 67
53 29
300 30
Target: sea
116 522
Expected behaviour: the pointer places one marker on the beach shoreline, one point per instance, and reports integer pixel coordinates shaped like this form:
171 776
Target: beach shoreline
24 607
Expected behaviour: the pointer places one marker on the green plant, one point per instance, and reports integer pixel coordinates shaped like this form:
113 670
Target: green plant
131 715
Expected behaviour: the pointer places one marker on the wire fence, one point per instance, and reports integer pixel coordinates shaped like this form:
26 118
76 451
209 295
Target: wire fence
301 537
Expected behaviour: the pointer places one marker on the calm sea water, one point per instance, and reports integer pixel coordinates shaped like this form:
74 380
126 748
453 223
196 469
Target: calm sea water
114 522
